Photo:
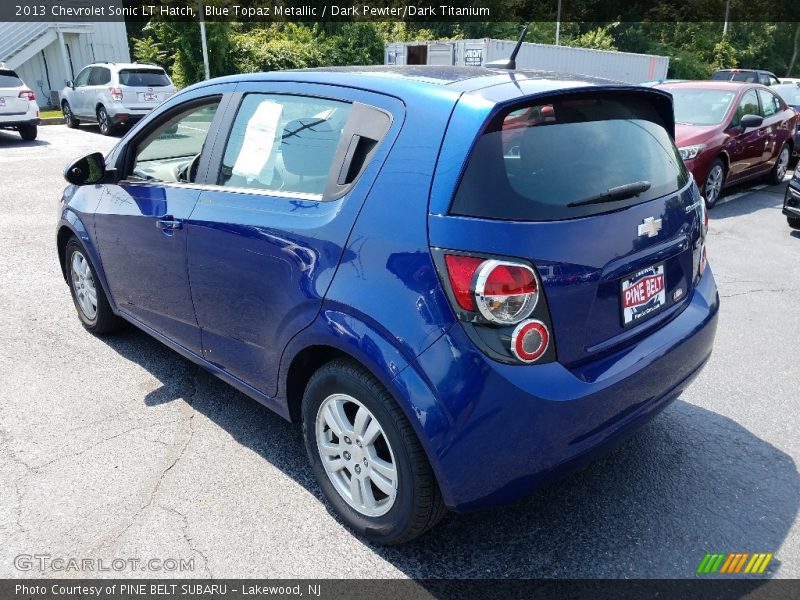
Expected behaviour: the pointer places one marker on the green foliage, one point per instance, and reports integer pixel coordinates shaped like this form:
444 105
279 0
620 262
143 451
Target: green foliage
724 55
148 50
599 39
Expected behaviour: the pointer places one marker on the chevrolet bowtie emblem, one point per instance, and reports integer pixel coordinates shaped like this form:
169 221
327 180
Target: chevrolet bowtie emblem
650 227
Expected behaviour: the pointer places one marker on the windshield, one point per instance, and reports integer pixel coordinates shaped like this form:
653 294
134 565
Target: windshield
144 78
544 161
700 107
789 92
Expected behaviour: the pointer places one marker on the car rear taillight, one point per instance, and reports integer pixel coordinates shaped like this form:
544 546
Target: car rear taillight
27 94
500 305
505 292
116 93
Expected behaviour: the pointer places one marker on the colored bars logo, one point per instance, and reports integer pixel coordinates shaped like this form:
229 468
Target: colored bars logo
734 563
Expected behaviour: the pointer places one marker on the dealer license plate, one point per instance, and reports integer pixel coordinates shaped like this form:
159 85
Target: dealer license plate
643 294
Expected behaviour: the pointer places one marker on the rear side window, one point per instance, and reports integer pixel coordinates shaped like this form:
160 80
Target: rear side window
100 76
9 79
143 78
283 143
569 157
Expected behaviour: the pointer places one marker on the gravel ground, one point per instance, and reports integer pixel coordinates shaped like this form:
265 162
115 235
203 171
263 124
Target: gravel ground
118 448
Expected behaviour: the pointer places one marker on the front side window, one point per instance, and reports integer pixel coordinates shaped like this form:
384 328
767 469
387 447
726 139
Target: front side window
748 105
283 143
83 77
171 154
570 157
769 103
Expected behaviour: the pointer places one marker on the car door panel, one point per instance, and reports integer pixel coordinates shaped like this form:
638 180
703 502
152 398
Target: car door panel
77 99
260 262
745 148
142 236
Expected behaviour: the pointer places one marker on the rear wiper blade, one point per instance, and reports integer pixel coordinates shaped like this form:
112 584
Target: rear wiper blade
621 192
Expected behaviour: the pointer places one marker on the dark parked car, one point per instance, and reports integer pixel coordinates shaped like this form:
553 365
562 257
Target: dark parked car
791 201
730 132
452 324
746 76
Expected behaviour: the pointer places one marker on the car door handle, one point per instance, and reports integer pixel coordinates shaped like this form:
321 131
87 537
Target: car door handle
169 224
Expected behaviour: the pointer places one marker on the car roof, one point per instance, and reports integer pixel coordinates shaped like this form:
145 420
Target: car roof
121 65
399 80
744 71
713 84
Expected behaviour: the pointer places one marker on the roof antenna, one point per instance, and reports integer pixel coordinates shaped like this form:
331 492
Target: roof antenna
511 61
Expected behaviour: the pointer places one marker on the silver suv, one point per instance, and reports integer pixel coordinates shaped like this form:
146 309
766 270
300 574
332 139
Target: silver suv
114 94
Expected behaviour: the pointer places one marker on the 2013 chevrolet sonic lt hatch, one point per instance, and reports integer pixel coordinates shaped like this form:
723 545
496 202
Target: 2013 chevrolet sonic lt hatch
461 281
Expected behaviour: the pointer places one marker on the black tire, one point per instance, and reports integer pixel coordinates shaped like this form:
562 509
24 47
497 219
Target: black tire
781 164
418 504
106 128
712 192
28 132
69 118
104 320
794 222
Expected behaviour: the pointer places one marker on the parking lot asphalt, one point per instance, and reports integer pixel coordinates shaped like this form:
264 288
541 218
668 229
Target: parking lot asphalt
117 448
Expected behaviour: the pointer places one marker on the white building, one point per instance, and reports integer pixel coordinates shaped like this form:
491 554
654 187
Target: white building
47 55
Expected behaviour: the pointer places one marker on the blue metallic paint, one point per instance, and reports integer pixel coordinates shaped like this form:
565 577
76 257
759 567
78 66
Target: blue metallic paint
358 276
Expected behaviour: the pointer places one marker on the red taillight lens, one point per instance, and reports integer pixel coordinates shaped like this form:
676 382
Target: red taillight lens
460 271
116 93
505 292
530 340
27 94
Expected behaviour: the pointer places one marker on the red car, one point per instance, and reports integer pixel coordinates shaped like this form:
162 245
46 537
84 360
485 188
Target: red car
729 132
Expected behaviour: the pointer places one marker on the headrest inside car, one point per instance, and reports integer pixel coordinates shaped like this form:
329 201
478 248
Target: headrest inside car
308 146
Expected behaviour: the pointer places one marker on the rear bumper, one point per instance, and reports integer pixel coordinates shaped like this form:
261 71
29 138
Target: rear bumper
510 428
20 123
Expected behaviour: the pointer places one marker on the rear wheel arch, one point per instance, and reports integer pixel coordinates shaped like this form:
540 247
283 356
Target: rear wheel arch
303 366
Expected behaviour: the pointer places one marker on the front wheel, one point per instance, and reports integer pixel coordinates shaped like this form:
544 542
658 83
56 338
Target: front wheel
715 180
69 117
104 121
366 456
28 132
90 300
781 164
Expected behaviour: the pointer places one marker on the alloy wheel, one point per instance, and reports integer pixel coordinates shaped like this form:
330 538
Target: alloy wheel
714 184
84 286
783 164
102 120
356 455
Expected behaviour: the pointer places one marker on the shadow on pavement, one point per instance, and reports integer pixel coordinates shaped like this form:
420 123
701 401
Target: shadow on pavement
766 198
11 139
692 481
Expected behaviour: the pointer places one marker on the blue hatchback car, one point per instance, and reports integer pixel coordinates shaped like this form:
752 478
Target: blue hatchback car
461 281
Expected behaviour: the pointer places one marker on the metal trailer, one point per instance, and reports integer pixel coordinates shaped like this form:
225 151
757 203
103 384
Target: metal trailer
621 66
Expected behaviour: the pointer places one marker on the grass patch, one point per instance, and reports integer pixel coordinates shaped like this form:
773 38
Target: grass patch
50 114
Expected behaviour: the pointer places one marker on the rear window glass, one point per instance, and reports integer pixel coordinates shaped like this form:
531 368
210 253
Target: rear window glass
143 78
9 79
569 157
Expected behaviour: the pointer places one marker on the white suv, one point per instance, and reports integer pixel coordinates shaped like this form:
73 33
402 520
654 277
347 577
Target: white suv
114 94
18 108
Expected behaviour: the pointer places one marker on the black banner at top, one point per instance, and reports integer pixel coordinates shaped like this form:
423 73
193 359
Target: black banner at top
400 10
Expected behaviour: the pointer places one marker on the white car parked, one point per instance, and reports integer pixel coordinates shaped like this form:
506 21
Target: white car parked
114 94
18 108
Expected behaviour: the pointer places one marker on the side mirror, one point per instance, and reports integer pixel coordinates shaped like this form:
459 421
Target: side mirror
71 84
750 121
86 170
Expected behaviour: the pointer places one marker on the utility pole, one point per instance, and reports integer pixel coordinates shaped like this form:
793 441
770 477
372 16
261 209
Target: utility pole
203 40
558 24
725 25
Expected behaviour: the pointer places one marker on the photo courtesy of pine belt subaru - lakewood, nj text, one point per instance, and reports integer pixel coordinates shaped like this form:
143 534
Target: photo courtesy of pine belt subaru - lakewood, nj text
461 281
